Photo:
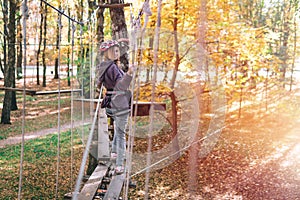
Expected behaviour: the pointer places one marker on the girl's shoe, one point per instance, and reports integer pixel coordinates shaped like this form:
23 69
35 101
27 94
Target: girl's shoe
119 170
113 156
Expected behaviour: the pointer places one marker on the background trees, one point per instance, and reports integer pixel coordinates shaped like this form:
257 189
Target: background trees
241 40
249 46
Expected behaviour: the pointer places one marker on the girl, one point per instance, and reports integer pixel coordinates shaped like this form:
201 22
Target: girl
117 98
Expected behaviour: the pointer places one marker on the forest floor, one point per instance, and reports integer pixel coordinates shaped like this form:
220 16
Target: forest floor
256 157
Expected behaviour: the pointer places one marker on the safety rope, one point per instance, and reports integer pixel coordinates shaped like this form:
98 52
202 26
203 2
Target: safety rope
90 22
145 8
82 88
89 57
148 13
179 151
90 136
154 78
58 115
92 36
132 120
25 16
136 49
72 104
87 148
60 14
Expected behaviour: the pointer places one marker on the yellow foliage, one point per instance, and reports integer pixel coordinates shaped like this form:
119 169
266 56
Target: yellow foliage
233 43
161 91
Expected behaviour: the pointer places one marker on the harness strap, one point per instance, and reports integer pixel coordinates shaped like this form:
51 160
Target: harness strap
111 92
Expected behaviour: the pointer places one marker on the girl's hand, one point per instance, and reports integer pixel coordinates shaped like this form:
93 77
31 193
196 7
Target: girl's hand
131 69
123 40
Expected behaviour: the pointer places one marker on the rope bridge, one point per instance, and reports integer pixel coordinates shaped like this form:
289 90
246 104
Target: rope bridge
101 177
102 183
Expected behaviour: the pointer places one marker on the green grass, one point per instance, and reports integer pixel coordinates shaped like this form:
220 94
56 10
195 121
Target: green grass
46 146
40 155
28 98
38 122
32 125
62 101
39 166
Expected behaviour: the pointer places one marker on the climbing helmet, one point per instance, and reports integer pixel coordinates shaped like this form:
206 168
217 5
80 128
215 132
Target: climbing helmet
107 44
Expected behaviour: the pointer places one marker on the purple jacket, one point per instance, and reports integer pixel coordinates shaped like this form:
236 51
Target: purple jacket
114 79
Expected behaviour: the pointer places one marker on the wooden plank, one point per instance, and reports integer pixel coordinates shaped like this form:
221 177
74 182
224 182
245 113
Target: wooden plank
115 187
143 108
29 92
56 91
91 186
103 136
34 92
87 100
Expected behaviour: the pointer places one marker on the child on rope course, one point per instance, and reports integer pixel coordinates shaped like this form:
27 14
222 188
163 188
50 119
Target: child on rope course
117 98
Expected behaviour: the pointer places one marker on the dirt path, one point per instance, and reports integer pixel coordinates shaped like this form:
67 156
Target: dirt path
44 132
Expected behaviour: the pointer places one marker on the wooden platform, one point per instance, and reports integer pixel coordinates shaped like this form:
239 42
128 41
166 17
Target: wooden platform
143 108
35 92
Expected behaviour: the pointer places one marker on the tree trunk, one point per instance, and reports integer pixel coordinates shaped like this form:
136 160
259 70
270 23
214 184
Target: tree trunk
56 66
19 47
5 34
194 150
9 72
100 24
14 105
266 90
56 72
44 45
176 48
100 27
80 55
69 52
172 83
119 30
148 75
12 50
39 47
285 41
294 50
175 143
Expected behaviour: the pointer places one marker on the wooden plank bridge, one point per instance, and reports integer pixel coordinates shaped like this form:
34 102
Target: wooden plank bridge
103 183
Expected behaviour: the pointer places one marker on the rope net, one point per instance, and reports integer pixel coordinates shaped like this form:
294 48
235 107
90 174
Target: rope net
63 140
82 45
